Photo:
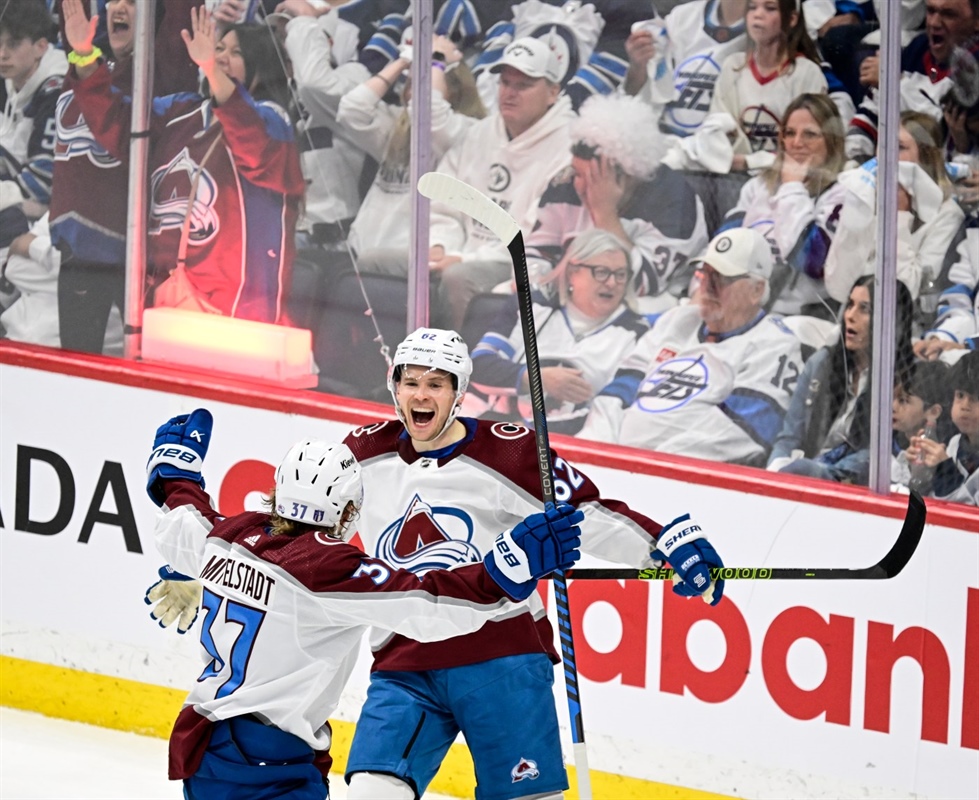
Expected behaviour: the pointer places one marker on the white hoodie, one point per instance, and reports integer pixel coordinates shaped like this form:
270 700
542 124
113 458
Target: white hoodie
512 172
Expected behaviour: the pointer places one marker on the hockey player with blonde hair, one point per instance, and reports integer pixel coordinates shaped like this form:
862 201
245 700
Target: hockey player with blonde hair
287 600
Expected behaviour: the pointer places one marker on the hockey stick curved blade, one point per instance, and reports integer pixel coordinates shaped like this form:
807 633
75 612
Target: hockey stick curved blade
891 564
463 197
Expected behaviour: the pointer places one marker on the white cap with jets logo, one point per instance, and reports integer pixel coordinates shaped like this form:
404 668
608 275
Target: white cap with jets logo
740 251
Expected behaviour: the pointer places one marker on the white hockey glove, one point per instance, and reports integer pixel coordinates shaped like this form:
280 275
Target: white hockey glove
177 598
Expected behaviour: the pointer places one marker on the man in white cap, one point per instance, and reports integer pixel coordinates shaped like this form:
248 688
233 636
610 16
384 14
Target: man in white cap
510 156
712 379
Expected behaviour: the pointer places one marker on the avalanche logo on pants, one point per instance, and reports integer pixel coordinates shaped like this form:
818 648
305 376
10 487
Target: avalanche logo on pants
525 769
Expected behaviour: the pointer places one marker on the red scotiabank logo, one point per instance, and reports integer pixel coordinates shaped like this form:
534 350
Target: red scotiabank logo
678 674
835 636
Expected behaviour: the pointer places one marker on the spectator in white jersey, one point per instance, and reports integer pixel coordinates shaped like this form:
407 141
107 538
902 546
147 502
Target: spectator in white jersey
675 61
298 605
381 232
711 379
32 70
928 218
796 203
581 338
755 88
510 156
617 183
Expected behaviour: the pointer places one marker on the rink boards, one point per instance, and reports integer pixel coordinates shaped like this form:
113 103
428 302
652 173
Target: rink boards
794 688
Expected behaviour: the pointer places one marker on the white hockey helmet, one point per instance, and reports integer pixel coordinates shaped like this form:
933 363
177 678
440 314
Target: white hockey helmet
314 483
435 348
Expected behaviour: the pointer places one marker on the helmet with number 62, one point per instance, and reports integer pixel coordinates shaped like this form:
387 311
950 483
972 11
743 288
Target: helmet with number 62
435 348
315 483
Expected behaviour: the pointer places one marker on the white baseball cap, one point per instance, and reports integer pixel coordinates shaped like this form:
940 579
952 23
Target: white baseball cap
531 56
740 251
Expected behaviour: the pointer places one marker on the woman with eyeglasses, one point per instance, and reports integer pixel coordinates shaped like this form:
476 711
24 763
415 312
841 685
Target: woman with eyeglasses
795 203
581 339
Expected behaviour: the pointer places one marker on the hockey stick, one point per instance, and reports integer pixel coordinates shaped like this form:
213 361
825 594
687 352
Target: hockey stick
890 565
463 197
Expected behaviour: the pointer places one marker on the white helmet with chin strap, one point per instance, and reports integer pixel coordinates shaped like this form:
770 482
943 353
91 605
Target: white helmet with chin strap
434 348
315 482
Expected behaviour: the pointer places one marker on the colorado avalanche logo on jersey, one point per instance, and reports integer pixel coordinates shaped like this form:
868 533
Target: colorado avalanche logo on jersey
74 138
673 384
428 537
170 192
525 770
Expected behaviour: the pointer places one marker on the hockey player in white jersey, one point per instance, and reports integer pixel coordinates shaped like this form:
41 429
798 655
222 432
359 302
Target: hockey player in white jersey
711 379
286 601
440 486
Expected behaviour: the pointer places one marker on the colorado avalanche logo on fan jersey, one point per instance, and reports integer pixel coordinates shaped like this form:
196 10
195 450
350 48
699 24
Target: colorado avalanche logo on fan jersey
74 138
673 384
170 193
428 537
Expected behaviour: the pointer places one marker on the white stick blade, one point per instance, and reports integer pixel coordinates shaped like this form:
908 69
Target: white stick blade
463 197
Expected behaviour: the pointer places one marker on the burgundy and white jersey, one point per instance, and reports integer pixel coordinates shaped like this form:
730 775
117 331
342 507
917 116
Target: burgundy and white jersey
282 617
427 513
240 242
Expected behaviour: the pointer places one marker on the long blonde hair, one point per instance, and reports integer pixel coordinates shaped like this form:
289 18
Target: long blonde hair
830 123
462 96
927 134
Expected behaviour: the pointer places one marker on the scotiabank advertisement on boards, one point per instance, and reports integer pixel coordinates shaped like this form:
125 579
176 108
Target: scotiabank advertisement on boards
848 686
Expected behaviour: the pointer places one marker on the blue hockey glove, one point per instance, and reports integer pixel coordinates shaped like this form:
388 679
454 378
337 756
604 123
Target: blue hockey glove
685 546
177 598
178 451
534 548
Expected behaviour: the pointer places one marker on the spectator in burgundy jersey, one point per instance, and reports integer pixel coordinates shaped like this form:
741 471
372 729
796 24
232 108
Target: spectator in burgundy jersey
91 237
225 184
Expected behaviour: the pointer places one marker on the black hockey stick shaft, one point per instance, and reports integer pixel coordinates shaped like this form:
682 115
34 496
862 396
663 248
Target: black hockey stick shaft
468 200
890 565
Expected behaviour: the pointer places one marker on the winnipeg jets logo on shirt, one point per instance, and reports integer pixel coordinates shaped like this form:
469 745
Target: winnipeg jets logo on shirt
693 83
525 770
428 537
673 384
170 193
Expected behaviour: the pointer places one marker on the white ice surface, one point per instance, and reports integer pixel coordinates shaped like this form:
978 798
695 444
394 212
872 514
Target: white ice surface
42 758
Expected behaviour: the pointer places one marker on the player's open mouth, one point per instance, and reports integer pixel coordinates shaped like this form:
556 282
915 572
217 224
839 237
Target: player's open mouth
421 418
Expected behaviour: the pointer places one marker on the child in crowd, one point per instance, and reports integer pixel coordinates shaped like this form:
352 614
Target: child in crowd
921 399
756 87
957 464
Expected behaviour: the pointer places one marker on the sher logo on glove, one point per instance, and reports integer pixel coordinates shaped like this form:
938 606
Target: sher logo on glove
684 544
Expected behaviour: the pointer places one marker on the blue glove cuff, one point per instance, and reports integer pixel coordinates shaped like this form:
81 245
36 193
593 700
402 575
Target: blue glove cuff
168 573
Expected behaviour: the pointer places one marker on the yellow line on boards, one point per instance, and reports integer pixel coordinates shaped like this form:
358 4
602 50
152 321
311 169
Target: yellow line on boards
149 710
